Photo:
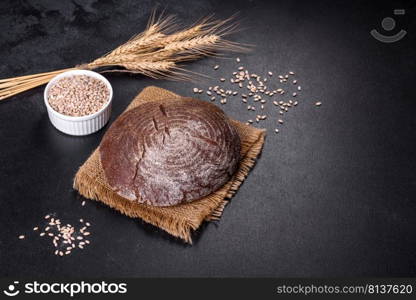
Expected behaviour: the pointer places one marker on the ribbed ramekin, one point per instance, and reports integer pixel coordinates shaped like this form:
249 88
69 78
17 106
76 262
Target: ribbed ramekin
79 125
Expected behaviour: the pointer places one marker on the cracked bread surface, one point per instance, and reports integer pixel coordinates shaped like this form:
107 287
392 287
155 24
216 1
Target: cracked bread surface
168 152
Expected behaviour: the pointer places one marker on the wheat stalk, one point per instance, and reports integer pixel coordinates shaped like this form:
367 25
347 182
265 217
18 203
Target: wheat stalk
155 52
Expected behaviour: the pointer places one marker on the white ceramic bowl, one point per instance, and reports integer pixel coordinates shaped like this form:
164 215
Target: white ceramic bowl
79 125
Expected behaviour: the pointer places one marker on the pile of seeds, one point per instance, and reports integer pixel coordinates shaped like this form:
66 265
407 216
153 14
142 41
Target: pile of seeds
65 238
255 93
78 95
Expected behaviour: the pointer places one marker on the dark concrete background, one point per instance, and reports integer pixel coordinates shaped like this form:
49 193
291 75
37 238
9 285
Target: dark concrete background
332 195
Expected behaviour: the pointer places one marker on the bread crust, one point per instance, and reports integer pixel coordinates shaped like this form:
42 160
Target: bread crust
164 153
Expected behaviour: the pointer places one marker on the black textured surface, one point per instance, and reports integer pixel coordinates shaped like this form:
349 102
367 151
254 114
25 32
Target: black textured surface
332 195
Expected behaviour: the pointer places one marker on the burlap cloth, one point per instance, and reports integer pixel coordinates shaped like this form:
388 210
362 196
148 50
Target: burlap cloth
178 220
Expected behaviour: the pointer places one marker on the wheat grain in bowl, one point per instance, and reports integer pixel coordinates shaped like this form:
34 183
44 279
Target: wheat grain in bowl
78 95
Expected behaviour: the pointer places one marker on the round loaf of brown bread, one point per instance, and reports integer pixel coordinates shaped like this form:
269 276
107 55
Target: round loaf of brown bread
169 152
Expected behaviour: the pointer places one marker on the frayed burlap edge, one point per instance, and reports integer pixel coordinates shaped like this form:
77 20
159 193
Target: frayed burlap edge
179 220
